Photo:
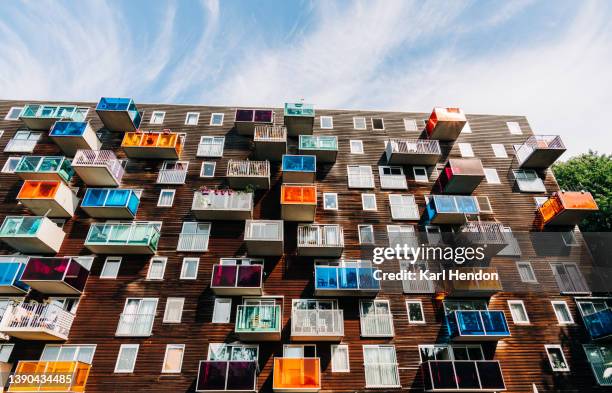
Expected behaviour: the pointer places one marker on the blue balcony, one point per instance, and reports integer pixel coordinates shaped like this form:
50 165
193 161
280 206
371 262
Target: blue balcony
110 203
477 325
45 168
42 117
299 169
299 118
346 280
71 136
10 276
119 114
599 324
450 209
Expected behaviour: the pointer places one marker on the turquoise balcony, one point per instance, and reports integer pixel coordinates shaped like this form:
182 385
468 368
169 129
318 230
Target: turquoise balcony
259 322
299 169
600 359
119 114
357 280
42 117
45 168
110 203
324 147
450 209
599 324
32 234
71 136
11 269
299 118
477 325
123 238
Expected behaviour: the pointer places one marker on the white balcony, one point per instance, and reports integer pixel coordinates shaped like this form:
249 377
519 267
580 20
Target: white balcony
36 321
264 237
222 205
320 240
317 325
413 151
539 151
270 142
242 173
98 167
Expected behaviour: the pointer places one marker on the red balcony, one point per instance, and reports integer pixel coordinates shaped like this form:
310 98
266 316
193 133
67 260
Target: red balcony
237 280
298 202
567 208
445 124
460 176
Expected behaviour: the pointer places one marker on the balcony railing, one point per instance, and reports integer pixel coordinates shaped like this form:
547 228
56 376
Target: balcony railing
602 372
299 169
297 375
320 240
71 136
393 182
44 168
404 209
567 208
211 147
227 376
10 276
483 233
451 209
52 198
270 134
380 325
598 324
270 142
299 109
237 279
119 114
463 375
317 324
413 151
193 242
129 238
36 321
242 173
445 124
98 167
486 285
55 276
32 234
165 144
345 280
74 373
222 205
318 142
598 356
135 325
259 322
42 117
477 325
382 375
172 176
110 203
299 118
460 176
539 151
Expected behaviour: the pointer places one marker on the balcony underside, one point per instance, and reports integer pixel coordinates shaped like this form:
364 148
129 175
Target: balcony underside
237 291
51 207
298 177
462 184
569 217
222 214
119 121
264 247
299 125
169 153
298 212
70 144
316 337
541 158
413 159
241 182
120 249
53 287
52 176
96 176
11 289
346 292
34 245
323 156
449 218
270 150
319 251
39 123
33 334
491 247
259 336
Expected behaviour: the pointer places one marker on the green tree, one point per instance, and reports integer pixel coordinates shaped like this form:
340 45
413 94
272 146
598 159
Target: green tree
590 172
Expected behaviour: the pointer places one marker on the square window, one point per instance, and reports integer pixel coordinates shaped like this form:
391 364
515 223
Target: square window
13 113
157 117
366 234
110 270
518 312
562 311
327 122
11 164
359 123
157 268
420 174
514 128
192 118
499 150
378 124
556 358
222 310
173 359
411 125
526 272
466 150
189 269
208 169
491 176
415 311
340 359
356 147
330 201
126 359
166 198
23 142
5 352
216 119
174 310
569 239
368 202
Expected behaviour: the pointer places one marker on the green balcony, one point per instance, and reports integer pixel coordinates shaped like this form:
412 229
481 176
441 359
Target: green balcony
259 322
324 147
32 234
123 238
42 117
299 118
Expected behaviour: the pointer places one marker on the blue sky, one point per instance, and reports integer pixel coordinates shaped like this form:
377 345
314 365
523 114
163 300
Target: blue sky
547 60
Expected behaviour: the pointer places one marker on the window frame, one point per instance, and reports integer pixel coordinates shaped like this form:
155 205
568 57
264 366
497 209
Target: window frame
499 150
177 300
527 263
161 192
164 261
8 114
212 116
359 226
180 365
382 121
335 194
412 121
372 197
378 346
420 178
182 275
420 303
466 150
214 168
229 313
117 370
197 115
563 303
154 114
365 123
334 369
492 176
112 259
358 143
560 348
515 319
6 164
331 122
514 127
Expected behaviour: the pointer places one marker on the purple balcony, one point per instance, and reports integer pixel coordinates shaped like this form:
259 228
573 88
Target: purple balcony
55 276
246 119
226 376
237 279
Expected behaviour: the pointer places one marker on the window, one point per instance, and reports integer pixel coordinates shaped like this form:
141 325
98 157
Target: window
222 310
68 353
189 269
380 365
356 147
556 358
208 169
366 234
110 270
157 117
491 175
403 207
194 236
420 174
569 238
375 318
514 127
360 176
23 142
174 310
157 268
562 311
330 201
467 129
526 272
466 150
13 113
411 125
237 352
392 177
434 234
340 359
569 279
368 202
359 123
1 133
173 359
126 359
137 317
539 201
450 352
378 124
415 311
211 146
327 122
518 312
5 352
173 172
499 150
166 198
192 118
402 234
216 119
11 164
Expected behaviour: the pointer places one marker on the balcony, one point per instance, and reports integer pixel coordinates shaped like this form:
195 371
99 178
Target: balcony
123 238
317 325
98 168
42 117
11 269
462 376
110 203
259 322
460 176
227 376
242 173
31 234
298 202
539 151
264 237
296 375
445 124
237 280
36 321
324 147
78 373
52 198
413 151
55 276
45 168
490 235
245 120
476 282
320 240
71 136
173 172
270 142
222 205
450 209
346 280
567 208
165 144
477 325
299 169
528 181
599 359
119 114
299 118
598 323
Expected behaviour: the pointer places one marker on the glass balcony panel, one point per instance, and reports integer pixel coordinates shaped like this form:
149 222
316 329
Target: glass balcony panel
241 375
599 324
299 163
348 278
470 323
258 319
78 372
495 323
249 276
95 197
491 377
443 375
467 376
20 226
326 277
245 115
299 194
263 116
296 373
212 376
224 275
299 109
366 278
33 189
68 128
10 275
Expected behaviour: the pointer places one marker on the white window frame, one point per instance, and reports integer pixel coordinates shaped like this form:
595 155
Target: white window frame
524 279
164 261
154 115
111 259
119 354
420 178
466 149
420 303
345 349
197 118
183 269
414 126
13 149
361 176
514 127
201 228
180 365
1 133
396 364
358 149
361 119
492 176
371 197
335 196
212 116
73 349
395 214
227 300
573 241
562 303
515 318
8 114
174 301
140 302
359 233
204 163
213 139
467 128
4 348
499 150
556 346
161 193
382 120
331 122
5 168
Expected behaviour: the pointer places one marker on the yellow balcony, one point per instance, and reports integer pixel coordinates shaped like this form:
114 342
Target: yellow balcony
52 198
297 375
61 376
165 144
298 202
567 208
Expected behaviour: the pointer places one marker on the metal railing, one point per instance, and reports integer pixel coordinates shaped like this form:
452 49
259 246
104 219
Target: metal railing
99 158
37 316
413 146
377 325
361 181
382 375
320 236
270 134
236 168
210 149
404 211
172 176
538 142
20 145
603 373
193 242
135 325
135 233
393 181
230 200
317 323
276 234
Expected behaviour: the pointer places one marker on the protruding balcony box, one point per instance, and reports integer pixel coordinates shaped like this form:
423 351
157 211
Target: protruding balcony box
413 151
259 322
597 317
229 376
78 372
539 151
445 124
245 120
41 117
119 114
110 203
527 180
237 280
71 136
450 209
324 147
123 238
299 118
32 234
567 208
477 325
462 376
460 176
299 169
481 286
222 205
36 321
264 237
98 167
320 240
165 144
11 269
241 173
296 375
53 198
316 324
356 279
55 276
598 356
489 235
45 168
298 202
270 142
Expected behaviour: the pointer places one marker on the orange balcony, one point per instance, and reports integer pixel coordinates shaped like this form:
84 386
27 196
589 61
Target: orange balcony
165 144
298 202
69 376
52 198
297 375
567 208
445 124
